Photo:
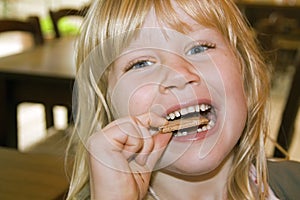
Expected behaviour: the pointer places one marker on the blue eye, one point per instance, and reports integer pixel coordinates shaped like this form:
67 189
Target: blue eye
140 64
200 48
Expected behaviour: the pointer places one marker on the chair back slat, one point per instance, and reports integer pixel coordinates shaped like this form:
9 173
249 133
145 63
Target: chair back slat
65 12
31 25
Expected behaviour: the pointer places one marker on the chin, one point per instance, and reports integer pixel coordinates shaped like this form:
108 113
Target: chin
193 167
190 163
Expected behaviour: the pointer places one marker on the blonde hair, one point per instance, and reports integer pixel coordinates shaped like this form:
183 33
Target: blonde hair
109 19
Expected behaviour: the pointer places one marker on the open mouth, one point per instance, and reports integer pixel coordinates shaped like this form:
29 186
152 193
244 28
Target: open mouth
190 120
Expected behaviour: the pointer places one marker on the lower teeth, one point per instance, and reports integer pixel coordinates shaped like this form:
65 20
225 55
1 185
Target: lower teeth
209 126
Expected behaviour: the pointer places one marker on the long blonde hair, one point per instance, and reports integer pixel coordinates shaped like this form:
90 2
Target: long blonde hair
109 19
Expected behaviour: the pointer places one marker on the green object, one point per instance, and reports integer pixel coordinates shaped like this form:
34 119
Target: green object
46 26
67 26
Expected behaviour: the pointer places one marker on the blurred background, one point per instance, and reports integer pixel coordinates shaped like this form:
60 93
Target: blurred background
37 72
31 123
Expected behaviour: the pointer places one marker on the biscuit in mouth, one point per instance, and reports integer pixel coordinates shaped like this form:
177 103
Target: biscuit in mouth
183 124
190 120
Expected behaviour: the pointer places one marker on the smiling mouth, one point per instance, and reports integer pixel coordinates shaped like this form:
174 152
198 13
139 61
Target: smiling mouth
190 120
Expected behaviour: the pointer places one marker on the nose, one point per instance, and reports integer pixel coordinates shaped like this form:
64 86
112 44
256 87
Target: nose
178 73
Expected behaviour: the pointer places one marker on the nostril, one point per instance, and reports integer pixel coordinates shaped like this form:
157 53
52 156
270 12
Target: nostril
165 89
194 82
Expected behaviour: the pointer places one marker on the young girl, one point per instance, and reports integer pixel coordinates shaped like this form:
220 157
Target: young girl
171 103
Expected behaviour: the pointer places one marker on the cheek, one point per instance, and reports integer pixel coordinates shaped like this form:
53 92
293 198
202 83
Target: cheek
141 100
129 98
231 76
235 100
236 107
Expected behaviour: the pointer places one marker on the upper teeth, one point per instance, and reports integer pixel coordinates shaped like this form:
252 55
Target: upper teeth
185 111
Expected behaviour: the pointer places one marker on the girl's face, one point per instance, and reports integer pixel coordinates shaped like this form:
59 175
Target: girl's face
181 76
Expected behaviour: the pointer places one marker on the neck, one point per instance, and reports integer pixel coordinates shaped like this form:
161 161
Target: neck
212 185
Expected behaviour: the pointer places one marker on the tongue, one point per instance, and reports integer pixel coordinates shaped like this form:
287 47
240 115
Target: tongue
184 123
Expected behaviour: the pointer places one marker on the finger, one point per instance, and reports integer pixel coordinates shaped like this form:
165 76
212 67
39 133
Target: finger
134 141
147 145
133 138
160 143
123 136
152 150
144 122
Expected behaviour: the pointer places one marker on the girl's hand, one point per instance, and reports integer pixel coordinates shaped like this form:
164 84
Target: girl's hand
122 156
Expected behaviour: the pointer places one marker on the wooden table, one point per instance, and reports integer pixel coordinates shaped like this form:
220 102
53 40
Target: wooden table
44 74
31 176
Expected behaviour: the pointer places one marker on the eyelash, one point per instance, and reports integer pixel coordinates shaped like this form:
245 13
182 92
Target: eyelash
207 45
132 64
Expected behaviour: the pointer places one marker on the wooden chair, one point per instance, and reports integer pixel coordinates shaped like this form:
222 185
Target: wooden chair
31 25
65 12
